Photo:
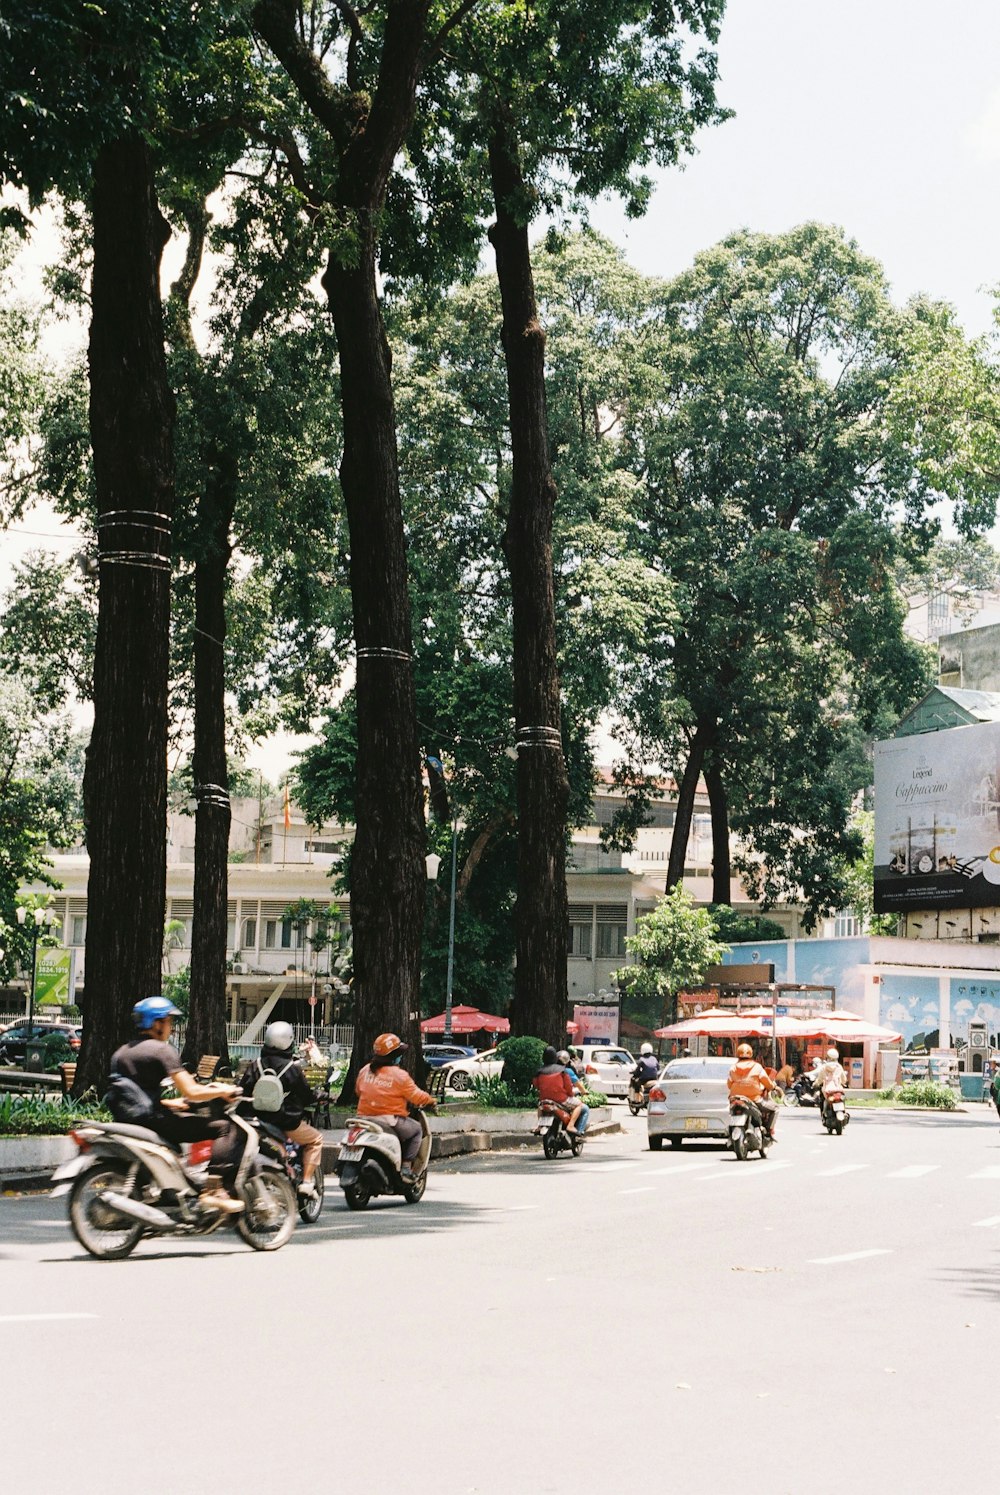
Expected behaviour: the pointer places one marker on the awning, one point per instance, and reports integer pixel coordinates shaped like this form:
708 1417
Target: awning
466 1019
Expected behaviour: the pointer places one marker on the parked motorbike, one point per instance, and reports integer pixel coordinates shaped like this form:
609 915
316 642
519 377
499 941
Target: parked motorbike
803 1093
553 1131
127 1181
638 1094
747 1132
370 1159
835 1112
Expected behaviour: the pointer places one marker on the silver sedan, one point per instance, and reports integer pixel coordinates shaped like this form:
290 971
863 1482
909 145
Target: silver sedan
690 1100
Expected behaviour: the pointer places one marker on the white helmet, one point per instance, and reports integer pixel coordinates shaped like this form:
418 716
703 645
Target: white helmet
280 1036
647 1048
832 1054
563 1056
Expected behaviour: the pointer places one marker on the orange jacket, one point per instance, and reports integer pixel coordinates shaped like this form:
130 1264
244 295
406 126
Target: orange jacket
749 1079
386 1091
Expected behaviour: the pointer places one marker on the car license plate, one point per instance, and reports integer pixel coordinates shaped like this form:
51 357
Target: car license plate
695 1124
350 1154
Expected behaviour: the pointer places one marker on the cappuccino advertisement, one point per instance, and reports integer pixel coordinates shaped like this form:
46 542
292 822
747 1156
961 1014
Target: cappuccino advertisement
937 820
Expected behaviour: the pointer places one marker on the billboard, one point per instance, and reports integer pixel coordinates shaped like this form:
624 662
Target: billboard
937 820
55 977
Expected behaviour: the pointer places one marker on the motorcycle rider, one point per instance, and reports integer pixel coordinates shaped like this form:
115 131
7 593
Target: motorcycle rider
565 1058
554 1084
646 1070
828 1076
751 1081
148 1059
278 1054
384 1090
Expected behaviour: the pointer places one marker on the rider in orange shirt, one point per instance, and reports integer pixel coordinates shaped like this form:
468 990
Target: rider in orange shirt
385 1090
751 1081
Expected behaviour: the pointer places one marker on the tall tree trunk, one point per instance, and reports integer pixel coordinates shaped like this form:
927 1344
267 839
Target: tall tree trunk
718 801
540 994
388 876
366 131
125 783
206 1026
700 743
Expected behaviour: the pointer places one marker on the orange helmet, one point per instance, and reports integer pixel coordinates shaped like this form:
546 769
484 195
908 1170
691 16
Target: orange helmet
744 1051
387 1043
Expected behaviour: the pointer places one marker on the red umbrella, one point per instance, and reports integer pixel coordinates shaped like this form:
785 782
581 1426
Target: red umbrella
466 1019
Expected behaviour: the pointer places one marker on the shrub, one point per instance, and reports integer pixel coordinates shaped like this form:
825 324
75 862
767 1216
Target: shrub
926 1093
494 1092
34 1116
522 1059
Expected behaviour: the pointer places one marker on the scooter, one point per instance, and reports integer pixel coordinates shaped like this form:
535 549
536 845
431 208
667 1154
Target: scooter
803 1093
638 1094
835 1112
747 1132
370 1159
553 1131
127 1181
289 1153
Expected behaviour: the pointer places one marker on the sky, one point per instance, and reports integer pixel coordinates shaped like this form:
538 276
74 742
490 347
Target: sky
882 116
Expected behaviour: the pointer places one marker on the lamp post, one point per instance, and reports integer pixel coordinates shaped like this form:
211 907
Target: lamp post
433 862
41 918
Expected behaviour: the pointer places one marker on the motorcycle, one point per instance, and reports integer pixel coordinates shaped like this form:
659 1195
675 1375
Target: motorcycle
803 1093
370 1159
127 1181
747 1132
553 1131
835 1112
638 1094
289 1153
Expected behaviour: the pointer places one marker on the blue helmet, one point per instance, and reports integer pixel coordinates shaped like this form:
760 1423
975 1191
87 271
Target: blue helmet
150 1010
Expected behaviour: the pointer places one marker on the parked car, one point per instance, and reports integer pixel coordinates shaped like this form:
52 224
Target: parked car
459 1073
14 1042
607 1067
690 1099
438 1054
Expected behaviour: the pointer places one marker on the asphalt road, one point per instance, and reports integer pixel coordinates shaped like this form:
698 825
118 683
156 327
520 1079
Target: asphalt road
826 1318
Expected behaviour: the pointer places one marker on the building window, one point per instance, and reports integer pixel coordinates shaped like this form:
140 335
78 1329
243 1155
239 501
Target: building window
231 934
611 940
580 939
78 929
280 934
249 934
938 609
846 925
322 846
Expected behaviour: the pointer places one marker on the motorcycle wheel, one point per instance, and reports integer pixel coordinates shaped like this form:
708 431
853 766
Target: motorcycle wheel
99 1228
311 1208
740 1147
634 1106
257 1225
413 1193
838 1127
357 1194
576 1145
550 1145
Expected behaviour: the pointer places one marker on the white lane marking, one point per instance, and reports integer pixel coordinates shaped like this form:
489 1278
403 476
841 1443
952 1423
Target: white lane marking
991 1172
914 1170
42 1318
509 1209
646 1189
844 1168
992 1220
734 1172
830 1261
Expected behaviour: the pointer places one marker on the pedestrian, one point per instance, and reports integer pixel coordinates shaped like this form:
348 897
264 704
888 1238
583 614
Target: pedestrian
995 1089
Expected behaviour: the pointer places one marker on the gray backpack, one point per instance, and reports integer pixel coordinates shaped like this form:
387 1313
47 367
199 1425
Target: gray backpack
268 1094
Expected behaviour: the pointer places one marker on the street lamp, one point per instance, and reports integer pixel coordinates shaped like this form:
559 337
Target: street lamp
41 918
433 862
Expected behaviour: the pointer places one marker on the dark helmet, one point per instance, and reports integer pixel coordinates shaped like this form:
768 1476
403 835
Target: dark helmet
549 1056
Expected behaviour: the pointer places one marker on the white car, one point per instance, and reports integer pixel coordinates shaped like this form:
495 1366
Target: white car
690 1099
460 1074
607 1068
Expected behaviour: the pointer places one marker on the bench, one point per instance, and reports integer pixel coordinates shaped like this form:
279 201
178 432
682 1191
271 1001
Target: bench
207 1066
67 1074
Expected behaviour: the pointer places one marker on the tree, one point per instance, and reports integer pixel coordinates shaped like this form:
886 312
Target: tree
742 929
774 484
672 948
